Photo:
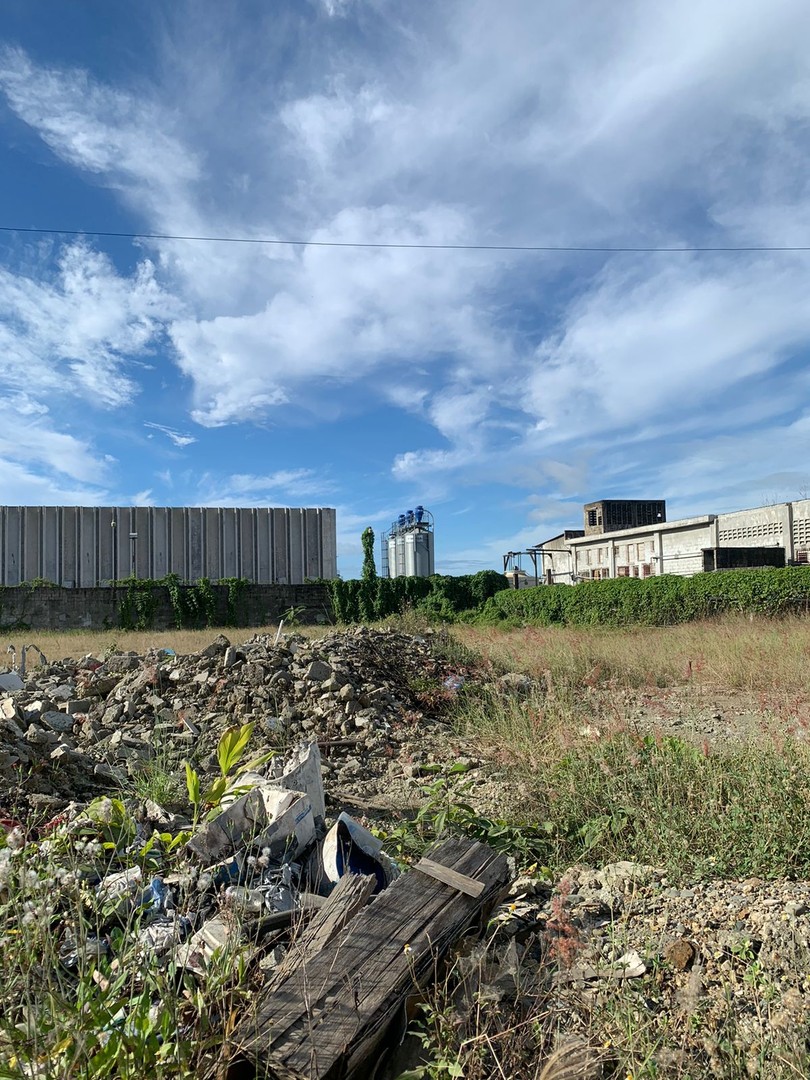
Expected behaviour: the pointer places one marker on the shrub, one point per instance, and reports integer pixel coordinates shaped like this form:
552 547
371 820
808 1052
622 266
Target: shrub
652 601
440 597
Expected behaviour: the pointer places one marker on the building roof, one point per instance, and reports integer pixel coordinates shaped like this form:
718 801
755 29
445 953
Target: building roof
655 526
566 534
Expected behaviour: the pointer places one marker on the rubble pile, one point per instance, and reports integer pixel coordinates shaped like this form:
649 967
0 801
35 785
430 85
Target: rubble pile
246 858
72 729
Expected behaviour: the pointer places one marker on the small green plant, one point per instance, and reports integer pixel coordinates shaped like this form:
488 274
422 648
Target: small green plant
158 778
292 616
443 809
230 750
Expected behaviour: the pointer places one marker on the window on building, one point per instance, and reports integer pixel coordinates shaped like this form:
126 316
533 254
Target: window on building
591 517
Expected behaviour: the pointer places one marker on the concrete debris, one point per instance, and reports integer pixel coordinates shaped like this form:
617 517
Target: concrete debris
351 693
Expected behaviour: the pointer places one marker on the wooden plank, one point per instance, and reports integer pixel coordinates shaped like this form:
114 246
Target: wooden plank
332 1011
450 877
349 896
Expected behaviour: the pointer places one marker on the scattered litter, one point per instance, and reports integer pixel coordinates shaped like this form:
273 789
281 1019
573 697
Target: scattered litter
302 772
350 849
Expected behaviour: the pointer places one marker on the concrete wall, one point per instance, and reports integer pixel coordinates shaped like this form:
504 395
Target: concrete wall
675 547
83 547
98 608
682 549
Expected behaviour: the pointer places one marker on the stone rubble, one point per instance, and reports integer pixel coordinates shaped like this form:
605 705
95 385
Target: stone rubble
78 726
712 969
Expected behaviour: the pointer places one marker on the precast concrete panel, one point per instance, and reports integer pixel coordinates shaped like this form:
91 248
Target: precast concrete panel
329 542
247 543
196 544
229 562
123 546
84 546
143 542
70 518
178 564
264 544
213 543
51 542
281 572
295 554
13 531
312 543
106 544
160 541
86 576
32 543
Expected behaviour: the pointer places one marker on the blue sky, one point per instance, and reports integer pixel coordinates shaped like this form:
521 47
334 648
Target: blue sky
500 389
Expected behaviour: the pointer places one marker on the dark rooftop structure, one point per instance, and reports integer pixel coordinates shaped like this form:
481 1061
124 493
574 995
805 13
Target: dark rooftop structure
609 515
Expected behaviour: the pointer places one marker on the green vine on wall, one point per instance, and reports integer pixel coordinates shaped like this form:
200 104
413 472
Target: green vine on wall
138 604
194 605
236 589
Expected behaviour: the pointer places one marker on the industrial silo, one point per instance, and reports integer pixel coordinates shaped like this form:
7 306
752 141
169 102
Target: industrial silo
408 545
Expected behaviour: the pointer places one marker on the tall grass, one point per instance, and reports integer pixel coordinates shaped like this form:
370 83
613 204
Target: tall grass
598 789
730 653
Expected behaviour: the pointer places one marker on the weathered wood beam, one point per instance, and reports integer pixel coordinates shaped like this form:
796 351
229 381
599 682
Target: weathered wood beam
331 1012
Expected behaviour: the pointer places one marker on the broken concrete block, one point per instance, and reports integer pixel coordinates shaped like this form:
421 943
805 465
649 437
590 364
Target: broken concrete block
318 671
8 709
11 681
58 721
79 705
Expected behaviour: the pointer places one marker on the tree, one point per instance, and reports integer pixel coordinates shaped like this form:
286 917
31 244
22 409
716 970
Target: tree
369 566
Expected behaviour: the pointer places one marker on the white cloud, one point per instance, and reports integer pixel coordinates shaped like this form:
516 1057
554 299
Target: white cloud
124 139
283 487
74 331
31 486
177 437
640 123
342 316
645 349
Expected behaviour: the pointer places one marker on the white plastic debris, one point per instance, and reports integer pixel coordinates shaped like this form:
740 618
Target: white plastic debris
267 816
212 938
302 772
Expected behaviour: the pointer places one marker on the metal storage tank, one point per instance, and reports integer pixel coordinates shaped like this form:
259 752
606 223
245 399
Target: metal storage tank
407 546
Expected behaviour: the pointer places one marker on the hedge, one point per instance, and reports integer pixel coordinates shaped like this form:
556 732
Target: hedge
654 601
441 596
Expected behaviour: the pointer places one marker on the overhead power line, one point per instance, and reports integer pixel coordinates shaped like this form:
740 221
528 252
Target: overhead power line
583 248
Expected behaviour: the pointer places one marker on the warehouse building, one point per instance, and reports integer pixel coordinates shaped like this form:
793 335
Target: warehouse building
81 546
775 535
